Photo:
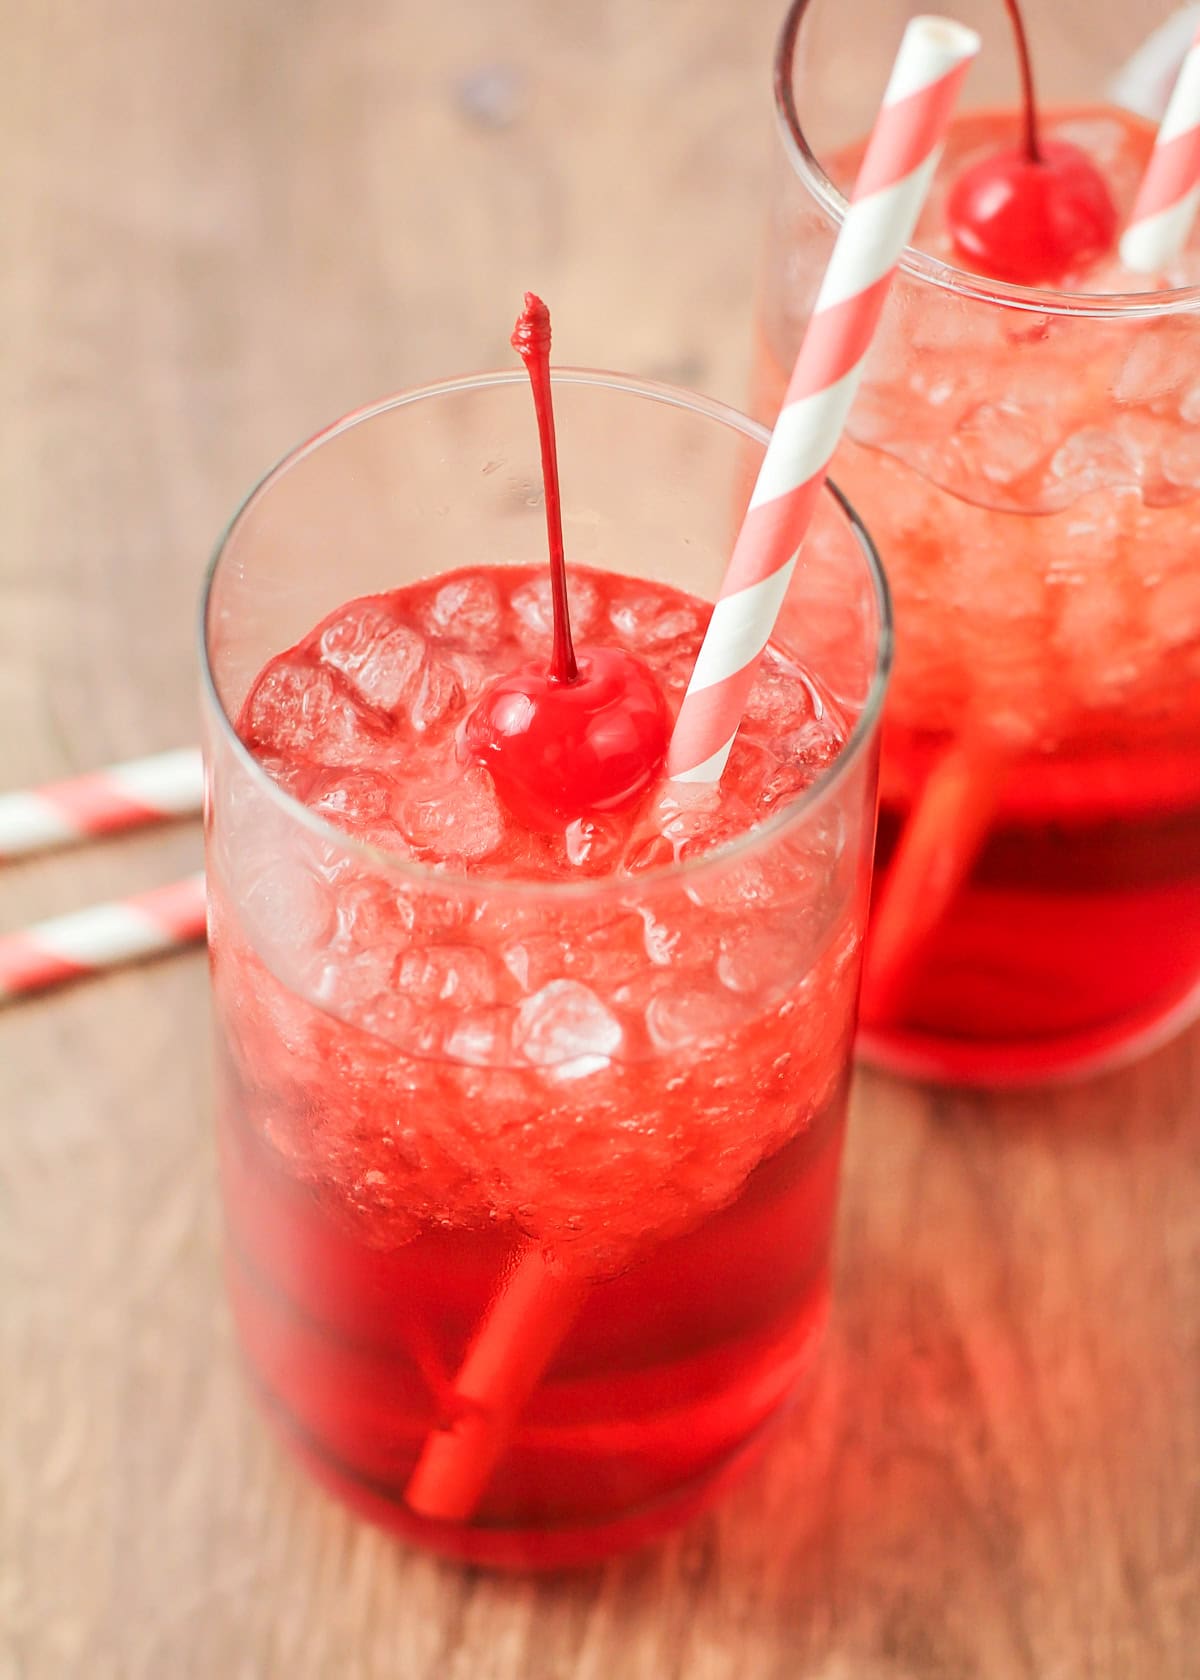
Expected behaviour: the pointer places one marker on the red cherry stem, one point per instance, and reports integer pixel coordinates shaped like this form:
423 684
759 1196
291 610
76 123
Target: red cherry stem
531 341
1033 148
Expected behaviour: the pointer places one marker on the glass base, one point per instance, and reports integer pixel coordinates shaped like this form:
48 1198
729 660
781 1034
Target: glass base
535 1549
1000 1065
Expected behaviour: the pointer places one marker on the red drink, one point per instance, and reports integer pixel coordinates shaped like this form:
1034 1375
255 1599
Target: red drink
458 1054
1030 465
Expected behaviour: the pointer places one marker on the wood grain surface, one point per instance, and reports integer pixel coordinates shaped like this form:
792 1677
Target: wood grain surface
223 224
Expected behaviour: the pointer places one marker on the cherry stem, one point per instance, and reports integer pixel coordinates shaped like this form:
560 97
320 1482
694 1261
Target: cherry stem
1033 149
531 341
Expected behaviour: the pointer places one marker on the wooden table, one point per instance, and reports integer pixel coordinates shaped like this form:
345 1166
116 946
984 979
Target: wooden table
222 224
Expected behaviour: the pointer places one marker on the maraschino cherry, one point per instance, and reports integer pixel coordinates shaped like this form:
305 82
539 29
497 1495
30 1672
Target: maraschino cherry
589 733
1032 212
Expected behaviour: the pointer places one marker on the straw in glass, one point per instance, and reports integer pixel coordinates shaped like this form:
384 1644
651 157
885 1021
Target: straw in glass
522 1330
940 842
1165 208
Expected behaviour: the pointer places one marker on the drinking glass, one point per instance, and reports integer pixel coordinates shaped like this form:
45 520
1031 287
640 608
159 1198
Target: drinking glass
540 1177
1028 461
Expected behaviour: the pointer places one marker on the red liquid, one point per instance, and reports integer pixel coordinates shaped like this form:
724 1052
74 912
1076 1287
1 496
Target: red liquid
1027 482
669 1372
1072 938
420 1088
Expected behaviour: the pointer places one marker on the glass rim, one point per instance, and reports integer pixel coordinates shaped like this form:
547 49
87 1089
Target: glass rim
919 265
413 871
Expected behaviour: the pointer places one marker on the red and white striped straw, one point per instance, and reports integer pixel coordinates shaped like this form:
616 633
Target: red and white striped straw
89 941
144 790
896 173
1169 196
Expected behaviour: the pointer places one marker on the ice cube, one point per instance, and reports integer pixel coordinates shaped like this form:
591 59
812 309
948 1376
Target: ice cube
566 1028
649 621
633 997
688 1017
1091 459
606 950
756 958
439 693
811 745
458 975
378 656
676 673
355 977
300 710
535 959
679 941
1156 365
354 799
1181 460
467 610
534 609
391 1017
781 783
593 845
471 672
654 852
481 1038
350 639
779 697
461 820
388 678
748 768
287 913
704 821
732 885
370 913
998 442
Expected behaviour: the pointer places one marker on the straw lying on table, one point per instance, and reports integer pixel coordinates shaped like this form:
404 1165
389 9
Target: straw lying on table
101 937
535 1306
144 790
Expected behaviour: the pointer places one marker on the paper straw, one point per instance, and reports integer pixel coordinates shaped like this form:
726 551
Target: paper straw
1144 82
1169 196
89 941
893 182
515 1341
144 790
518 1337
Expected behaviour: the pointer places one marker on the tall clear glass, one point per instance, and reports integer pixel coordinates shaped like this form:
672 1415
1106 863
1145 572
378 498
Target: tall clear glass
548 1174
1029 464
